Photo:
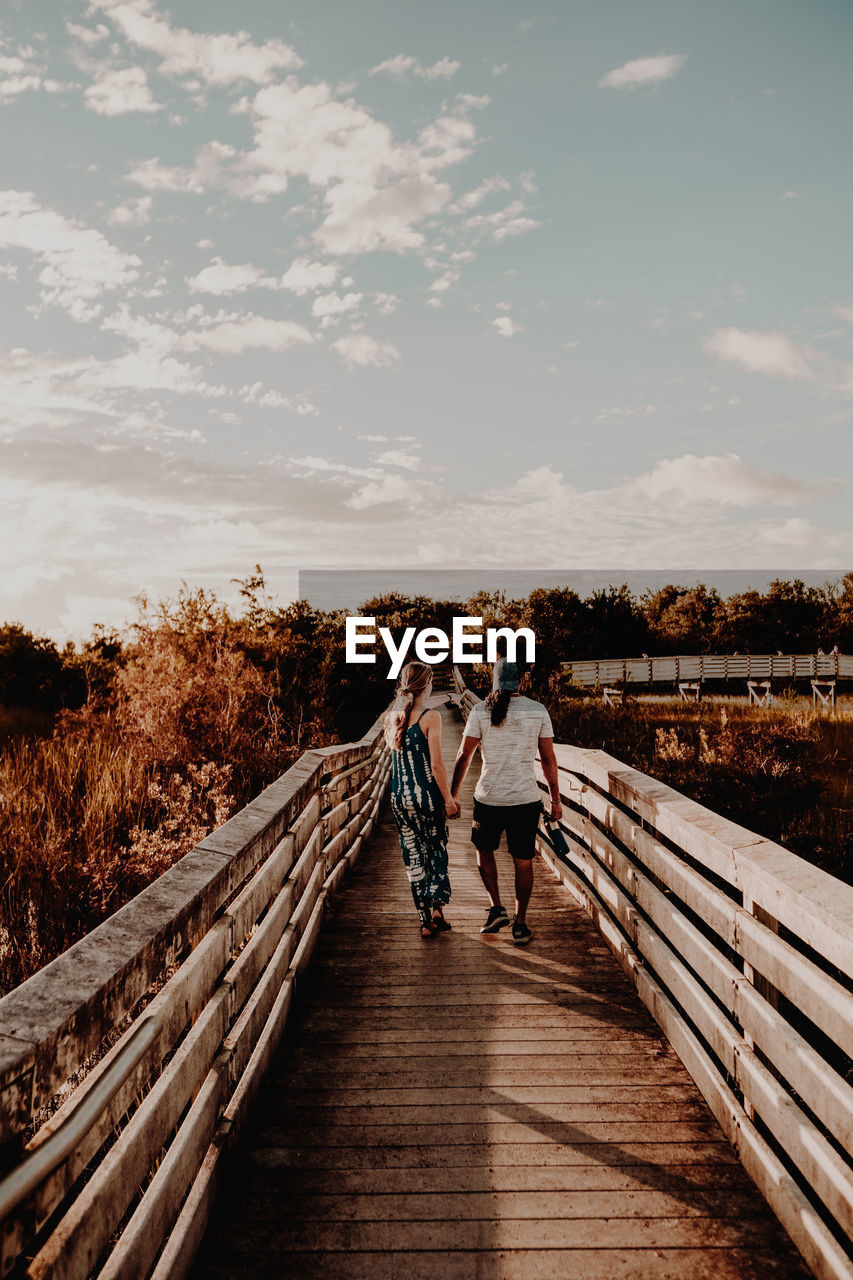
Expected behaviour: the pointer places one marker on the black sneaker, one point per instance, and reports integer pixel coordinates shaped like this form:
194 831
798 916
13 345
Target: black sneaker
495 920
521 934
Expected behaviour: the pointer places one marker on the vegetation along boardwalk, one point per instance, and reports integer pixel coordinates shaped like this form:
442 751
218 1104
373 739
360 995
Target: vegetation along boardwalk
464 1108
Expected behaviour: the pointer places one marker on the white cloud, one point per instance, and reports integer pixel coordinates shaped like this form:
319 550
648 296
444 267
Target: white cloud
219 278
20 72
392 488
304 276
728 480
790 194
472 101
442 283
87 35
762 352
248 332
119 92
506 326
210 169
403 65
213 59
375 191
330 305
385 303
131 213
359 350
509 221
498 68
405 458
643 71
79 264
270 398
472 198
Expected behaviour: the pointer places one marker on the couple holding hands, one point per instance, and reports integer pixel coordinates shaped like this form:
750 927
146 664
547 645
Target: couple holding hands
509 730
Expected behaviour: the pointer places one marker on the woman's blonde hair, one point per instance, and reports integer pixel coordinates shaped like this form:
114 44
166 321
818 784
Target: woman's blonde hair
414 679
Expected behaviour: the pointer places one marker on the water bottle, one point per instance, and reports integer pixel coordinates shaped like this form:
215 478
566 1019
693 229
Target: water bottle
554 836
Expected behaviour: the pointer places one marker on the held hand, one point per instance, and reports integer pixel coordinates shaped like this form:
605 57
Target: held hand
556 810
453 808
455 699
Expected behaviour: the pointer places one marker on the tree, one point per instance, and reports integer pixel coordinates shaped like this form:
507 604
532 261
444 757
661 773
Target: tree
32 671
682 619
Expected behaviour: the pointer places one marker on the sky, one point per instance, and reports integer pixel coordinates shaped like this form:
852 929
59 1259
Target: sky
323 285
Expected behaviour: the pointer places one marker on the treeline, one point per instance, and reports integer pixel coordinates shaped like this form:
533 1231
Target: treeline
300 650
614 623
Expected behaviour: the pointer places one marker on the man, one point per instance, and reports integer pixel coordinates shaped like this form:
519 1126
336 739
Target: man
509 730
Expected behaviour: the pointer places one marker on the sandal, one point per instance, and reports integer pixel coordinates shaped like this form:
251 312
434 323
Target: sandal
439 924
427 930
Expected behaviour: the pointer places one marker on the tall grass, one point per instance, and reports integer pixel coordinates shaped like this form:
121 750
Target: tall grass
67 807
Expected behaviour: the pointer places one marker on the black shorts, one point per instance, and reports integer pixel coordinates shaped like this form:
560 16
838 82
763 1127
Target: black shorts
519 821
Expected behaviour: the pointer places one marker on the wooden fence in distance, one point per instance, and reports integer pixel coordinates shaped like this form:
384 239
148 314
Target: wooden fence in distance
722 667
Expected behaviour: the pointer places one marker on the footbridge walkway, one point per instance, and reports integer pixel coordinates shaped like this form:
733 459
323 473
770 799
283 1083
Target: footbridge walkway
657 1086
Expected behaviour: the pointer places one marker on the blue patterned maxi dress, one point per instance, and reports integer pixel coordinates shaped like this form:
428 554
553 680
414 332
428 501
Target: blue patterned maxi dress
418 807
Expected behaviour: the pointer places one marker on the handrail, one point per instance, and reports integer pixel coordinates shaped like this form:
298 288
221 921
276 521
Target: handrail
676 668
231 927
39 1164
743 953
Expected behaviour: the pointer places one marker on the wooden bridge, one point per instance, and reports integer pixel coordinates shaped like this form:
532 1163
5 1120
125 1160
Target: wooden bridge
655 1087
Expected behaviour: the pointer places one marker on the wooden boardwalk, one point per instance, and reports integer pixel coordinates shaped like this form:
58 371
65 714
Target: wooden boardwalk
463 1109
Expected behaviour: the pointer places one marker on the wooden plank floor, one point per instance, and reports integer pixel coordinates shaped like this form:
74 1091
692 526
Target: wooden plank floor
463 1109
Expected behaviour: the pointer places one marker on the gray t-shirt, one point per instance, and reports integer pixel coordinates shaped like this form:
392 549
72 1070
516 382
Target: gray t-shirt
509 751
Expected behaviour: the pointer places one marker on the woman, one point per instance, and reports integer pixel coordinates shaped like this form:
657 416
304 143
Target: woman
420 794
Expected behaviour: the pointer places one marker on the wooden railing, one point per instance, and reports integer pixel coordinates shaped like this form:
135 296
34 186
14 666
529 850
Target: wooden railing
729 666
743 953
119 1181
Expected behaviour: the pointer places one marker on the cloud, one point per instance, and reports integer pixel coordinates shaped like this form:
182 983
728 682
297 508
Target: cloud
404 458
506 326
375 192
442 283
79 264
643 71
269 398
112 520
358 350
248 332
20 72
728 480
119 92
212 59
304 276
221 279
210 169
131 213
771 352
509 221
328 306
403 65
472 198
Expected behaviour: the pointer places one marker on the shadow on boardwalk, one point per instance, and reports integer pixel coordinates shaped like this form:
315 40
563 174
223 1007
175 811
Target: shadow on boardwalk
465 1109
